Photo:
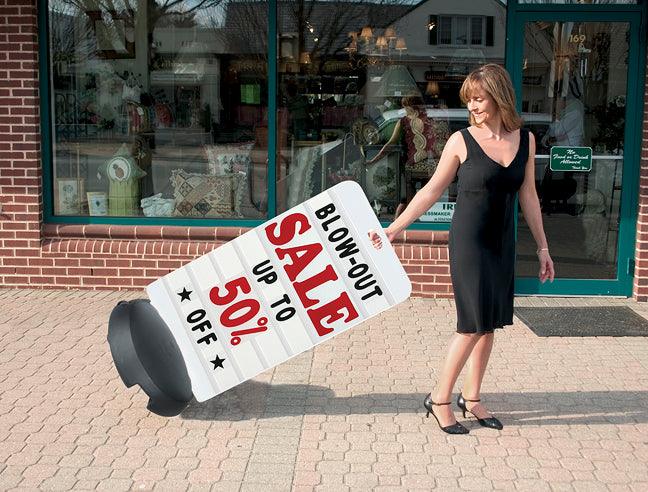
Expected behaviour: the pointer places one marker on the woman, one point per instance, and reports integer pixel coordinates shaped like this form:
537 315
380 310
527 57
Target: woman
424 138
493 160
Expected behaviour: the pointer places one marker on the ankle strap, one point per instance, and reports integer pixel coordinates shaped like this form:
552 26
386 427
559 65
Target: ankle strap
441 404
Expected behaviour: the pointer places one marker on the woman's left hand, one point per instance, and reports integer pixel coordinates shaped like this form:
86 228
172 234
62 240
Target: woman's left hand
546 267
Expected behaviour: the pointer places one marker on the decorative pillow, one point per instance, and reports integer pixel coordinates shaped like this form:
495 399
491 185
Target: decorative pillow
204 195
227 159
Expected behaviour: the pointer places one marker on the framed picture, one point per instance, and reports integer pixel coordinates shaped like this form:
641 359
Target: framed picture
97 203
114 33
67 196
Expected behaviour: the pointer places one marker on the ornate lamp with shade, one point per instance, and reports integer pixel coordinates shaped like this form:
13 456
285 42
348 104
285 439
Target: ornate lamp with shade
396 82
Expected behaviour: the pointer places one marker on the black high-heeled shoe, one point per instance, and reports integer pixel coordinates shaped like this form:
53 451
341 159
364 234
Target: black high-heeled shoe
490 422
455 428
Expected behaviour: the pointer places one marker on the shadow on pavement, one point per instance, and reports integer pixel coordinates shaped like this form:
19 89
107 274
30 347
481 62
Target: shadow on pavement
258 400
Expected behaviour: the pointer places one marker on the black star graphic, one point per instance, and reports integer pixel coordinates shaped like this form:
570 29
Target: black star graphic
218 362
184 295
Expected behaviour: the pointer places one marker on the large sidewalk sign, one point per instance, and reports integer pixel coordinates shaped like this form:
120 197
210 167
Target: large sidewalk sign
264 297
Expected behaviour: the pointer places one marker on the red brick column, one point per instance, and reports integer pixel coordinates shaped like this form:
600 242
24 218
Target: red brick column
20 146
425 257
640 287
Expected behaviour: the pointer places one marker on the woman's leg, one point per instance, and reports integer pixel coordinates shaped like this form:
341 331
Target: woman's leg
459 349
476 369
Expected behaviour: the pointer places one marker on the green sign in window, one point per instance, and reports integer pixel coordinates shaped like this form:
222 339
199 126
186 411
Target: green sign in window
571 159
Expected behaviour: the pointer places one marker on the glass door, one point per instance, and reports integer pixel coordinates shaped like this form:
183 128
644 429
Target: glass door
574 97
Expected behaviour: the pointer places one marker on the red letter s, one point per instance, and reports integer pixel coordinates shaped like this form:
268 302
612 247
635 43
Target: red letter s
287 233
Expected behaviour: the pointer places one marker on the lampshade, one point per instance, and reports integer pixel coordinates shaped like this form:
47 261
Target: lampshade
464 61
390 33
366 33
396 82
432 89
304 58
381 43
400 44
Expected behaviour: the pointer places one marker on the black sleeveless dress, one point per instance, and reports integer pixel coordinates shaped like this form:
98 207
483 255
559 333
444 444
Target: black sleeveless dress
482 237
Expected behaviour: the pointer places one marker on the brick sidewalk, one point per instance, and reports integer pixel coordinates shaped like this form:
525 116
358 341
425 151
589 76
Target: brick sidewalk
346 415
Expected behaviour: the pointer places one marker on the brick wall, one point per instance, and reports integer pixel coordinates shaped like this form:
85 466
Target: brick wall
20 149
120 257
640 287
424 255
130 257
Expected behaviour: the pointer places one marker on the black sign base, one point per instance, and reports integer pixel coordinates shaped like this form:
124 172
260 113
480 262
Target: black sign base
145 353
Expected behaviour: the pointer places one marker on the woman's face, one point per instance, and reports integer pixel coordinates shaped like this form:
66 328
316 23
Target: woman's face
482 106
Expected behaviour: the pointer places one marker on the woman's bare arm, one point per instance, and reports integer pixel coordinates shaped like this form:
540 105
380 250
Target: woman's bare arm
453 153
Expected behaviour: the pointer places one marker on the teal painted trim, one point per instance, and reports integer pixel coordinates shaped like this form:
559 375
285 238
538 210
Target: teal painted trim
515 52
632 151
513 31
272 110
159 221
635 16
581 287
574 16
579 8
512 62
45 109
422 226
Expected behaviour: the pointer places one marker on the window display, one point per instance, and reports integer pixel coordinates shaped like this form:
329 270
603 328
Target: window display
367 92
164 107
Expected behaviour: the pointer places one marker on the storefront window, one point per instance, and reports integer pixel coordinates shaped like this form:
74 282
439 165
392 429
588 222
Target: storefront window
370 93
159 108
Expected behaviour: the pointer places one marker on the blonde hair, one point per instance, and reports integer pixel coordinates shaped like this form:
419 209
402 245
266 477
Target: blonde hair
495 80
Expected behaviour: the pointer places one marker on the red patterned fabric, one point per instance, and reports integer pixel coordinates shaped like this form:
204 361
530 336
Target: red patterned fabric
424 136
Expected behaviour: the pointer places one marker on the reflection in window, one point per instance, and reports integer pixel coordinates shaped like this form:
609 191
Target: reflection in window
477 30
462 30
445 30
365 94
161 109
574 83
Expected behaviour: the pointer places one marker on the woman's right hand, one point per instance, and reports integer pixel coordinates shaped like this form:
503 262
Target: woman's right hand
376 240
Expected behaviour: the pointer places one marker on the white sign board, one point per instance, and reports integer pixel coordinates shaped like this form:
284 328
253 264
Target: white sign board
439 212
279 289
